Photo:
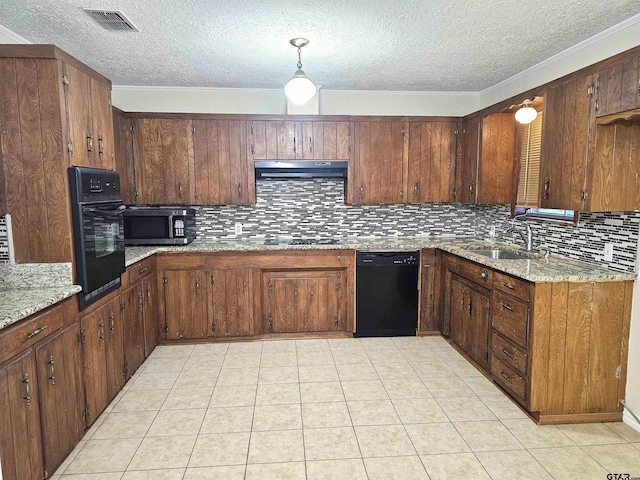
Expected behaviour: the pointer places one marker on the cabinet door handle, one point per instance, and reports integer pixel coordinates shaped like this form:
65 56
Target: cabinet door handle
507 352
311 293
295 295
148 295
37 331
140 302
240 190
112 323
416 187
294 144
470 306
244 285
180 190
509 286
142 270
361 191
101 332
310 144
546 189
52 372
100 145
27 391
197 285
506 306
89 143
505 376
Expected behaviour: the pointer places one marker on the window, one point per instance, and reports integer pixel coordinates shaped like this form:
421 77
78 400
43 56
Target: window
529 184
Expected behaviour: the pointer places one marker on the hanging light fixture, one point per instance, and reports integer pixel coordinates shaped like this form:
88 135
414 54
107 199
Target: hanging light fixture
299 89
526 113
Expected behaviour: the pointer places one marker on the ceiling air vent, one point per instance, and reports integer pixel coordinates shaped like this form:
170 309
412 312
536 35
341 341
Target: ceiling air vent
112 20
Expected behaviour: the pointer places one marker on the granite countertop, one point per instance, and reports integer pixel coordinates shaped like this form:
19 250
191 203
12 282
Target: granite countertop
538 269
26 289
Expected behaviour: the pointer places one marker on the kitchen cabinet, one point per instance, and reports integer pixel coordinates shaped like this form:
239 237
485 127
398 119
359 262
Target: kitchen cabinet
376 174
232 307
46 116
223 174
62 399
102 337
187 294
151 315
568 141
467 173
431 154
20 426
618 87
124 156
559 349
291 140
430 318
163 154
496 180
133 312
303 300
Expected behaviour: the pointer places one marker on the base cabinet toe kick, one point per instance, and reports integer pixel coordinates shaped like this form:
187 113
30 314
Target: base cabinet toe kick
559 349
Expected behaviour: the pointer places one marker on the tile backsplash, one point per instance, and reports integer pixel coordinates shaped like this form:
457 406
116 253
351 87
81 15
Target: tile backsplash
316 208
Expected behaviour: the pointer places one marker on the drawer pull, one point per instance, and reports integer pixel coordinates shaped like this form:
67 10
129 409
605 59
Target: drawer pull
509 286
506 306
142 270
484 275
37 331
505 376
507 352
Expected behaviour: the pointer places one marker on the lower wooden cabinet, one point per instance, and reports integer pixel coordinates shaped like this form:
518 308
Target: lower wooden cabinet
151 314
20 427
303 300
430 278
102 337
187 294
133 302
61 393
232 307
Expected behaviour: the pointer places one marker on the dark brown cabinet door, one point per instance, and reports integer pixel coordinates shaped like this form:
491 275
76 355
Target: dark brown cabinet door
124 157
304 301
187 295
378 162
94 330
164 161
232 306
133 320
430 318
569 127
61 394
223 174
325 140
431 164
466 175
477 327
20 427
496 181
151 325
103 141
618 88
80 118
458 312
114 333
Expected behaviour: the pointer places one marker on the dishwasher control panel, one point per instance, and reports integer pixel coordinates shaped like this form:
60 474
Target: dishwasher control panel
387 259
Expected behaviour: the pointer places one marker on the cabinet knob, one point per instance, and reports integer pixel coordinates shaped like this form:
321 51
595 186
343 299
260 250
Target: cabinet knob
484 275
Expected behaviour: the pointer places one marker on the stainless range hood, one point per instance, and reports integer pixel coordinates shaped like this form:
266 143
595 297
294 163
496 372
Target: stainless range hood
301 169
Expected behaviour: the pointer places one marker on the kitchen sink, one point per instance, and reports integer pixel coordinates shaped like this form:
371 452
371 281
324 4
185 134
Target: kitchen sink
505 254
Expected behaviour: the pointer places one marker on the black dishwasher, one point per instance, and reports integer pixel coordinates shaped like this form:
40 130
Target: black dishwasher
386 293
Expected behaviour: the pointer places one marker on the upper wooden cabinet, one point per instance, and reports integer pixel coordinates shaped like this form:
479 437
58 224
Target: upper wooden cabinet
122 129
164 160
432 154
568 134
54 112
223 174
496 181
467 171
291 140
618 87
377 168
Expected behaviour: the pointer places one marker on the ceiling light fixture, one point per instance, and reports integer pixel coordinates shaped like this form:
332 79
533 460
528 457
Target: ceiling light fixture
299 89
526 113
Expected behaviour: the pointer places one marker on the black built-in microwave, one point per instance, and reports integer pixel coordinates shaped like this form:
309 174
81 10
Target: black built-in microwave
146 225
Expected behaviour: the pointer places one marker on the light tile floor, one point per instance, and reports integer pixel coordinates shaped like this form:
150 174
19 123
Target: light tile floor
405 408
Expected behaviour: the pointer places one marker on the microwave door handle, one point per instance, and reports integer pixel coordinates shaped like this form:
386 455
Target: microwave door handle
170 226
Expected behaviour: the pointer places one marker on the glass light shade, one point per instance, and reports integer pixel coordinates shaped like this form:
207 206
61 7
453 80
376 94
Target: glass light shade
300 89
526 115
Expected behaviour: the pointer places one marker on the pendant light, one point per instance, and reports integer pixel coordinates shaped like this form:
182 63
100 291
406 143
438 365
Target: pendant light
299 89
526 113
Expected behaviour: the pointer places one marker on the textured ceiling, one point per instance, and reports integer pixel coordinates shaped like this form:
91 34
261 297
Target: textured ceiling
421 45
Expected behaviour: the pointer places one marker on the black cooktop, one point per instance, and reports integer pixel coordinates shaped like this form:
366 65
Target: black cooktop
301 241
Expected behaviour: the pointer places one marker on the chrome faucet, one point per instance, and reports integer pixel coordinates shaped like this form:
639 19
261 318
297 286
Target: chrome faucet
526 238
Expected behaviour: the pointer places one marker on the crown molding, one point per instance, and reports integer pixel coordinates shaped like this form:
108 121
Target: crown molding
13 35
629 22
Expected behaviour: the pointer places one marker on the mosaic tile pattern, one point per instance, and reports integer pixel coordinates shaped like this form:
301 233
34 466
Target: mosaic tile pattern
315 208
4 241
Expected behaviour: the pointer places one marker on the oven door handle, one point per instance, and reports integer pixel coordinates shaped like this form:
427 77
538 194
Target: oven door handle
114 213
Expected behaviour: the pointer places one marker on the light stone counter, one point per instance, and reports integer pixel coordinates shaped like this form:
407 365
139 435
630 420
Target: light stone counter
27 288
538 269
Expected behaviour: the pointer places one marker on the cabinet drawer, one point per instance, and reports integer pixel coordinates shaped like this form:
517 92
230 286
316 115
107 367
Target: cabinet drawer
510 317
17 338
513 286
509 378
476 273
141 269
509 353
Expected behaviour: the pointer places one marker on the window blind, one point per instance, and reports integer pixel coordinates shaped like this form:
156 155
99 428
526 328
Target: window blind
528 186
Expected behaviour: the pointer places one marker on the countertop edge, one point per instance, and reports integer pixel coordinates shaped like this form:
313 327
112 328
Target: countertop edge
41 304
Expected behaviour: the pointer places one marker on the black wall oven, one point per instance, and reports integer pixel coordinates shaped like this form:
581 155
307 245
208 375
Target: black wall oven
98 231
